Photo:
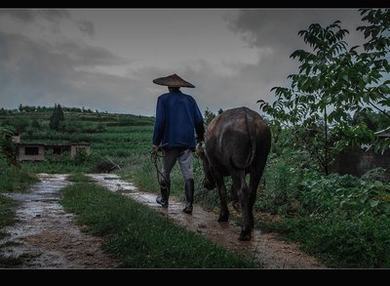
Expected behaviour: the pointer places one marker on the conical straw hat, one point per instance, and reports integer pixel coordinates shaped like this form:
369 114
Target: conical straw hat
173 81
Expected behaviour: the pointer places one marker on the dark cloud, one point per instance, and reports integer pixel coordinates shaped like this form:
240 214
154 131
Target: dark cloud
20 14
279 27
82 54
33 72
75 73
54 16
274 32
29 15
87 27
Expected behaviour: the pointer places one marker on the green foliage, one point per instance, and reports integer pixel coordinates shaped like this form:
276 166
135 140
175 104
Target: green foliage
12 178
73 126
283 177
358 242
377 30
342 219
81 157
125 145
208 116
18 125
35 124
7 212
332 83
7 149
139 236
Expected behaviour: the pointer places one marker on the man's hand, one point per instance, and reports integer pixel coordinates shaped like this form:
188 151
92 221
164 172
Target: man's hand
199 148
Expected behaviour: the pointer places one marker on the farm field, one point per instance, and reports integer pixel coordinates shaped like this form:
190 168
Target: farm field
335 218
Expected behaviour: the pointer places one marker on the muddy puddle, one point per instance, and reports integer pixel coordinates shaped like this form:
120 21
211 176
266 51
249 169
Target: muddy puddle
267 249
45 236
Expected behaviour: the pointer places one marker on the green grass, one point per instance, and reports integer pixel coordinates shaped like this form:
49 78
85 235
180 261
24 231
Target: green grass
13 179
79 178
343 220
362 242
141 237
7 213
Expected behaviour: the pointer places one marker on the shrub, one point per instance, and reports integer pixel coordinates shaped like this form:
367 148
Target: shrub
342 219
81 157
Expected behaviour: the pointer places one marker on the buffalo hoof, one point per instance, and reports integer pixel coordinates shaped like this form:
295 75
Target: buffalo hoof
244 236
223 217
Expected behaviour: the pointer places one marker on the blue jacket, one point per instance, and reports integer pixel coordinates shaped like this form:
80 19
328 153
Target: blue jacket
177 118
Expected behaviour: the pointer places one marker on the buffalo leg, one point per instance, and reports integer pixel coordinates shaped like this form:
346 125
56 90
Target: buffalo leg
234 196
255 176
253 184
224 213
243 194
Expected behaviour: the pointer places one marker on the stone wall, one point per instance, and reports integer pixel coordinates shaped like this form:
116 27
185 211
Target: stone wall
357 162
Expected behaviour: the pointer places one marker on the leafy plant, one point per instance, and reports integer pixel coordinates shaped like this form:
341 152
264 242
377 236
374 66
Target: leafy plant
81 157
332 83
208 116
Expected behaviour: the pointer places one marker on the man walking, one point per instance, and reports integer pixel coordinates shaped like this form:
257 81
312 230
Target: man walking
177 119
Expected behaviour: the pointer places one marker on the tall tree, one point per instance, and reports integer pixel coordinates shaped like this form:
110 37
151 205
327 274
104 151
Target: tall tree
56 117
60 113
333 82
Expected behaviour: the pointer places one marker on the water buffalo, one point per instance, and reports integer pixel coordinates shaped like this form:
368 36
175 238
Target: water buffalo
237 142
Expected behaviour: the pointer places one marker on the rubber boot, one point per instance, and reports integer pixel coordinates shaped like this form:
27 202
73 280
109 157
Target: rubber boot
164 197
189 194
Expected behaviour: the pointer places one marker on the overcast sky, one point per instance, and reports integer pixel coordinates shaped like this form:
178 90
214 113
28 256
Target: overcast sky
106 59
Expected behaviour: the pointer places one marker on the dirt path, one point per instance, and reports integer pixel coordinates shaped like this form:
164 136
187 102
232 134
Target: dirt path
266 248
45 236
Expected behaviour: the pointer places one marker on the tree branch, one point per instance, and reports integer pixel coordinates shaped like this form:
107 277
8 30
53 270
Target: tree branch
379 109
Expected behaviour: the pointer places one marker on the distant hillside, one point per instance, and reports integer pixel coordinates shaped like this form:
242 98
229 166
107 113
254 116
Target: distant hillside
120 138
32 123
42 113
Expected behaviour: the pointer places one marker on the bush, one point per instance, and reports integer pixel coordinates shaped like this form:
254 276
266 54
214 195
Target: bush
375 174
282 178
7 213
81 157
344 220
357 242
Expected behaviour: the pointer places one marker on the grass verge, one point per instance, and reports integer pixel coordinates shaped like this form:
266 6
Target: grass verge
12 179
141 237
7 213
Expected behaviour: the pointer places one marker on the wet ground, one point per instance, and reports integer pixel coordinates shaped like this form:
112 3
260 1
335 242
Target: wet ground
45 236
269 250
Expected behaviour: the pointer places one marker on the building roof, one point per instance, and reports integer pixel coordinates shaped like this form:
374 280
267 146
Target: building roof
30 144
